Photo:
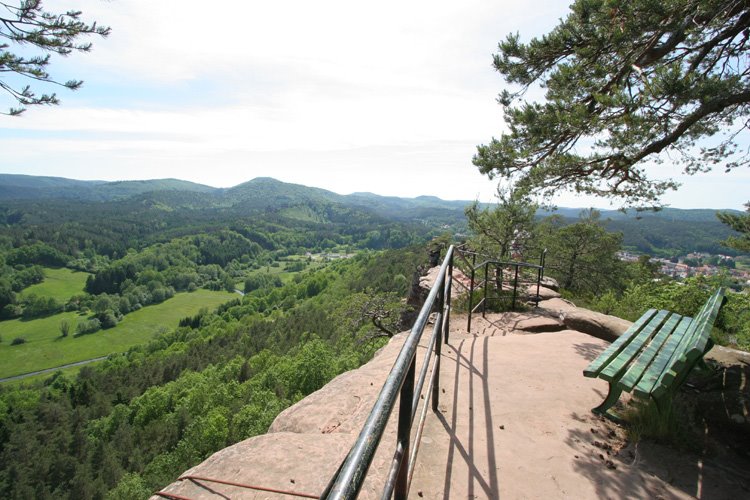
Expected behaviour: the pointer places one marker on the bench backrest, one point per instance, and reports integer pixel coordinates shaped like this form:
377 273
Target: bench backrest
693 344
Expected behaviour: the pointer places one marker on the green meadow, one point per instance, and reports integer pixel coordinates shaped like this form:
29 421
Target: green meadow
46 348
60 283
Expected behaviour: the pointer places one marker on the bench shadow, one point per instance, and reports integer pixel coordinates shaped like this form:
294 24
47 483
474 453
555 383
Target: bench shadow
715 464
630 472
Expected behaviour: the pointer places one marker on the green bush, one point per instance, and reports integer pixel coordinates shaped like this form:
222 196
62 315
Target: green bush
18 341
90 326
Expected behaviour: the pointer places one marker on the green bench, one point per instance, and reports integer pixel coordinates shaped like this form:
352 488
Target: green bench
654 356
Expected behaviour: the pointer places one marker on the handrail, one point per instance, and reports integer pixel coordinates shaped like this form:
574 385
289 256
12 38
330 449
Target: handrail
462 252
351 474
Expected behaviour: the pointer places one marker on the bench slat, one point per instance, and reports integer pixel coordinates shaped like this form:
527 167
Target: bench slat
616 367
643 362
695 346
648 381
618 345
703 332
654 356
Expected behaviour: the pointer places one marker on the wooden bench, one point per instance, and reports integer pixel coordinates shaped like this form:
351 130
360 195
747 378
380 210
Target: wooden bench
654 356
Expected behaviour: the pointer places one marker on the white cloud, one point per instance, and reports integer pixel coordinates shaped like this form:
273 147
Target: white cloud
388 96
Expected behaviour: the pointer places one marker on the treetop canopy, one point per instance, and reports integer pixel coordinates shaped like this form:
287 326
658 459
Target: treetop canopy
626 82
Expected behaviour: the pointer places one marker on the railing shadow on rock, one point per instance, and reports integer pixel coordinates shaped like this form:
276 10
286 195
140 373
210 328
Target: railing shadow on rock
401 384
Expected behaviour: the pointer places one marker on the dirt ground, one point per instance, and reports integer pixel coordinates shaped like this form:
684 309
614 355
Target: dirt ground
714 462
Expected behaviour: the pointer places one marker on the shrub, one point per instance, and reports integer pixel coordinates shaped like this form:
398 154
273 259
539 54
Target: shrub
35 307
107 319
18 341
90 326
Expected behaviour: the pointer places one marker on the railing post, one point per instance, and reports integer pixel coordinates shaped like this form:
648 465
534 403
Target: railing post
438 347
404 431
448 300
471 291
486 282
538 282
515 288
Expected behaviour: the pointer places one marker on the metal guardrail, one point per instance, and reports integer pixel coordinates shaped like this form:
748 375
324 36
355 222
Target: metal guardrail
400 384
496 265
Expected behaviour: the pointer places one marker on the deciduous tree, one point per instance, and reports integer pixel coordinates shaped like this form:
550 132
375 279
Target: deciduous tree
64 328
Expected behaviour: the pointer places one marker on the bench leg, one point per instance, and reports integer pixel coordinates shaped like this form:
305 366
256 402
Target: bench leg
611 399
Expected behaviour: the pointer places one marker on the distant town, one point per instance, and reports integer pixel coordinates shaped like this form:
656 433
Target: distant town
694 264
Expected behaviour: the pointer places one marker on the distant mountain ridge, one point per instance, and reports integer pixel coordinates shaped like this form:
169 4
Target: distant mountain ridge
256 194
666 232
26 187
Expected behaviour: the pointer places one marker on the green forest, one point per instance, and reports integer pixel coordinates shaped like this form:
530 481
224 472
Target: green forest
215 311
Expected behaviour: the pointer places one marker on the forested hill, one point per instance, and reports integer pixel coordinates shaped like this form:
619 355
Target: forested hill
28 187
260 194
171 203
666 233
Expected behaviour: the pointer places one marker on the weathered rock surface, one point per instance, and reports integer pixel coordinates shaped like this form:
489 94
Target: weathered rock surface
513 422
306 442
544 292
550 283
342 405
461 282
557 305
596 324
539 324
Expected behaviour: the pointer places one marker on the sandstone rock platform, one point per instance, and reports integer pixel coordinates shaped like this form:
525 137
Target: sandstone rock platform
514 421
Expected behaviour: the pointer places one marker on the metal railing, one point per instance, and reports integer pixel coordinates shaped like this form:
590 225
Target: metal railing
401 385
496 265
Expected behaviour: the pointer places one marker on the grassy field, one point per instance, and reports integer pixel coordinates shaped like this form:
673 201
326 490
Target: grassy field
280 269
59 283
45 348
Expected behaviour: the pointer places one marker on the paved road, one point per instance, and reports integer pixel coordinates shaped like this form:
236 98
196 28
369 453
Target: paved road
47 370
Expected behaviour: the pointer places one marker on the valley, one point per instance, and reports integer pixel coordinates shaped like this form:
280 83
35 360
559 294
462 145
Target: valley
208 311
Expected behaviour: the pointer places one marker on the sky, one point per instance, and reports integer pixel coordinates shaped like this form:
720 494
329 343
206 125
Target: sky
389 97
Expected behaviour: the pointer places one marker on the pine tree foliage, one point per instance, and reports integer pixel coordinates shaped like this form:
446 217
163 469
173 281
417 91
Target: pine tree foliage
28 24
628 84
504 229
741 224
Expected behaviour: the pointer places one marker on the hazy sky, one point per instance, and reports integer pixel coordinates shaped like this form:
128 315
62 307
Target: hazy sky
387 97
